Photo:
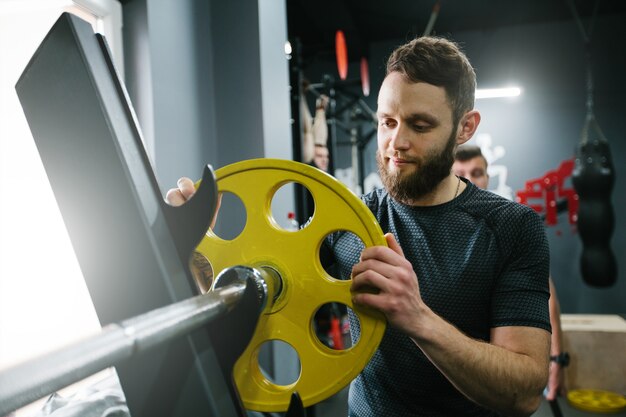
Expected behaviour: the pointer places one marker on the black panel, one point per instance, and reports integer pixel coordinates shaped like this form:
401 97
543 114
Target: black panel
132 247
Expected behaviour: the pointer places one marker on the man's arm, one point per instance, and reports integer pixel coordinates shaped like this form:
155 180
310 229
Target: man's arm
320 127
507 375
556 381
308 138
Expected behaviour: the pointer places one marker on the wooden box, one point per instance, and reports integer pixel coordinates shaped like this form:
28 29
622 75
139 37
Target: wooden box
597 348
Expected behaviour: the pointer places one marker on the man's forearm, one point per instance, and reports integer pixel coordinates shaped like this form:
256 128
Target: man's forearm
495 377
555 321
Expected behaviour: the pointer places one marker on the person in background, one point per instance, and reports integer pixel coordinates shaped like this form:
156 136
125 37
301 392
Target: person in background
314 131
470 163
321 157
463 280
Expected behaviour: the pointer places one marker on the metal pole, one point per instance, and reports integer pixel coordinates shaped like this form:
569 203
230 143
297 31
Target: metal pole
27 382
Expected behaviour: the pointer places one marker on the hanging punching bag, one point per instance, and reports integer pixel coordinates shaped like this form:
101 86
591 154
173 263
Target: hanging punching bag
593 179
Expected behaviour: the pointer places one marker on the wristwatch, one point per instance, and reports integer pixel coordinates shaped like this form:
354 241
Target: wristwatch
562 359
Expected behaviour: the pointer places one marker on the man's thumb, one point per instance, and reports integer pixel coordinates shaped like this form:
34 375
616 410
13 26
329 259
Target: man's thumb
393 244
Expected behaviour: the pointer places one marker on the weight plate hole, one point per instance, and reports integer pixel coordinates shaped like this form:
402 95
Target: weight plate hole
283 198
202 271
340 239
332 324
279 362
231 217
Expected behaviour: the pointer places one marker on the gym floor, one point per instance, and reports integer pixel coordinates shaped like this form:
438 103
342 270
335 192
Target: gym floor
336 406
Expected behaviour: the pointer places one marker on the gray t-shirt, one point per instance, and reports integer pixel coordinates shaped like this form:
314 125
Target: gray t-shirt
482 261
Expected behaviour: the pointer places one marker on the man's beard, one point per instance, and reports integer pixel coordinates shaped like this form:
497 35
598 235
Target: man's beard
430 171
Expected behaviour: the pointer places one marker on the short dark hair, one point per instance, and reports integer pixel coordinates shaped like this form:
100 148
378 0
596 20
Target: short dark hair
466 152
439 62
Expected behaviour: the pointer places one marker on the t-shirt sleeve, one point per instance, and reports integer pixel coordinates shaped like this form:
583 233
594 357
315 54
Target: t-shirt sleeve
327 257
522 291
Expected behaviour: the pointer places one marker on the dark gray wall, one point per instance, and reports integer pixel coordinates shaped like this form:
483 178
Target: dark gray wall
239 124
169 73
543 127
196 79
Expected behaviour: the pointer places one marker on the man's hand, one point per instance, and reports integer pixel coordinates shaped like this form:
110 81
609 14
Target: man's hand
322 102
200 267
512 367
178 196
556 382
184 191
397 292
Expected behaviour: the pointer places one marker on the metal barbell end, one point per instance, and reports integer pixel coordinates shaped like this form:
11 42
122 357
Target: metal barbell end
31 380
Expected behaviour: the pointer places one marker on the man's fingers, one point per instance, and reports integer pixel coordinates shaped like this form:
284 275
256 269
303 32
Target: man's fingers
369 281
174 197
186 187
178 196
382 268
391 255
368 299
363 279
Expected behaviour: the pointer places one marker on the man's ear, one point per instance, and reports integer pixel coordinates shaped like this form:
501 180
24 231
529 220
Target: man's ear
467 126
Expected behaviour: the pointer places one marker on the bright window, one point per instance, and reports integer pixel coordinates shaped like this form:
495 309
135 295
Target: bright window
44 302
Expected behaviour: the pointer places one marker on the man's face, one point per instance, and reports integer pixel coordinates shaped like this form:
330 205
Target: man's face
320 158
474 169
416 137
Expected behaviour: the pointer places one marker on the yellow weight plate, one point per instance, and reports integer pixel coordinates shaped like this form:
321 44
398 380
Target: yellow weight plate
306 286
596 401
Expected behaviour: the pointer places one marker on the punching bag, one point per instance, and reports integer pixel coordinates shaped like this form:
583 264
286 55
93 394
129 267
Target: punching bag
593 179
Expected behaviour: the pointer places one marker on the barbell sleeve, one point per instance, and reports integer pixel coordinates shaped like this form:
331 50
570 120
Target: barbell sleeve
31 380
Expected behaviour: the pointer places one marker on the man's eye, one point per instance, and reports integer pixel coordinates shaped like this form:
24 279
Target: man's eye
420 128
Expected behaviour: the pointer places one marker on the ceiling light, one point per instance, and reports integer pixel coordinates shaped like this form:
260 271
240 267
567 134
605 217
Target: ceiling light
498 92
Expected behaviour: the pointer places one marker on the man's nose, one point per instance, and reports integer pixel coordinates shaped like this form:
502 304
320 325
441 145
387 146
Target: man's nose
399 137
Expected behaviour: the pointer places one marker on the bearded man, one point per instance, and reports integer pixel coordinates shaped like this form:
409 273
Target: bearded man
464 281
